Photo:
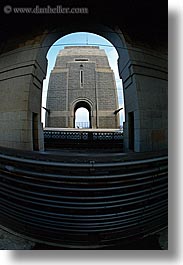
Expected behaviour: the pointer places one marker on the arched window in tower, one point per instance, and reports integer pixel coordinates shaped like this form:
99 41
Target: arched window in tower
82 118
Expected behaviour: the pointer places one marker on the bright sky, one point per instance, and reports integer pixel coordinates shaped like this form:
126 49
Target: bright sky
83 38
82 115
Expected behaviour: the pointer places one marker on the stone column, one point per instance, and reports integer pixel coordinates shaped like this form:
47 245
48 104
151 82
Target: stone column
144 74
22 71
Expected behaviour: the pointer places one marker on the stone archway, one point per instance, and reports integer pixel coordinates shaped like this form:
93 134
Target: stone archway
83 104
143 71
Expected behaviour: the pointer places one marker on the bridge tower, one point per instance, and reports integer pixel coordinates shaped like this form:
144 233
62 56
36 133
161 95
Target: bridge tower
82 77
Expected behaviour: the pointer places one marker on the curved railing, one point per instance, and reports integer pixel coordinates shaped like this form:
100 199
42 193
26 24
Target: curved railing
83 205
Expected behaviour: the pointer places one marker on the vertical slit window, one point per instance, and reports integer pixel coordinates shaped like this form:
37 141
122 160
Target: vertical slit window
81 78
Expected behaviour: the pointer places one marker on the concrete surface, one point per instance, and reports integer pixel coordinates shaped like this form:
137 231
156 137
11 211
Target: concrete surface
12 242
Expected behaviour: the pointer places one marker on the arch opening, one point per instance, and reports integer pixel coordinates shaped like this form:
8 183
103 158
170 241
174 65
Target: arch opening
82 118
86 39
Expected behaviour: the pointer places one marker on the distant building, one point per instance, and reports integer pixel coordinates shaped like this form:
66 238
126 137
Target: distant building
82 77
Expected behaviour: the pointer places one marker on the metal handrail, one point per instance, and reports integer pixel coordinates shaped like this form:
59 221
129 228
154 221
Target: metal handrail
79 165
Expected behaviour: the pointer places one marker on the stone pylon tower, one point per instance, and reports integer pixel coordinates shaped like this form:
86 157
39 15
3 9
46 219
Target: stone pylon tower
82 77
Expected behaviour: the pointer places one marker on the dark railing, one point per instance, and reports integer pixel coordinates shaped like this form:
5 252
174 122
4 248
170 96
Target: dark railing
89 139
86 204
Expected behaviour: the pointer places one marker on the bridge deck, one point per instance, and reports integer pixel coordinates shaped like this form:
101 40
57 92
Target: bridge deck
82 130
